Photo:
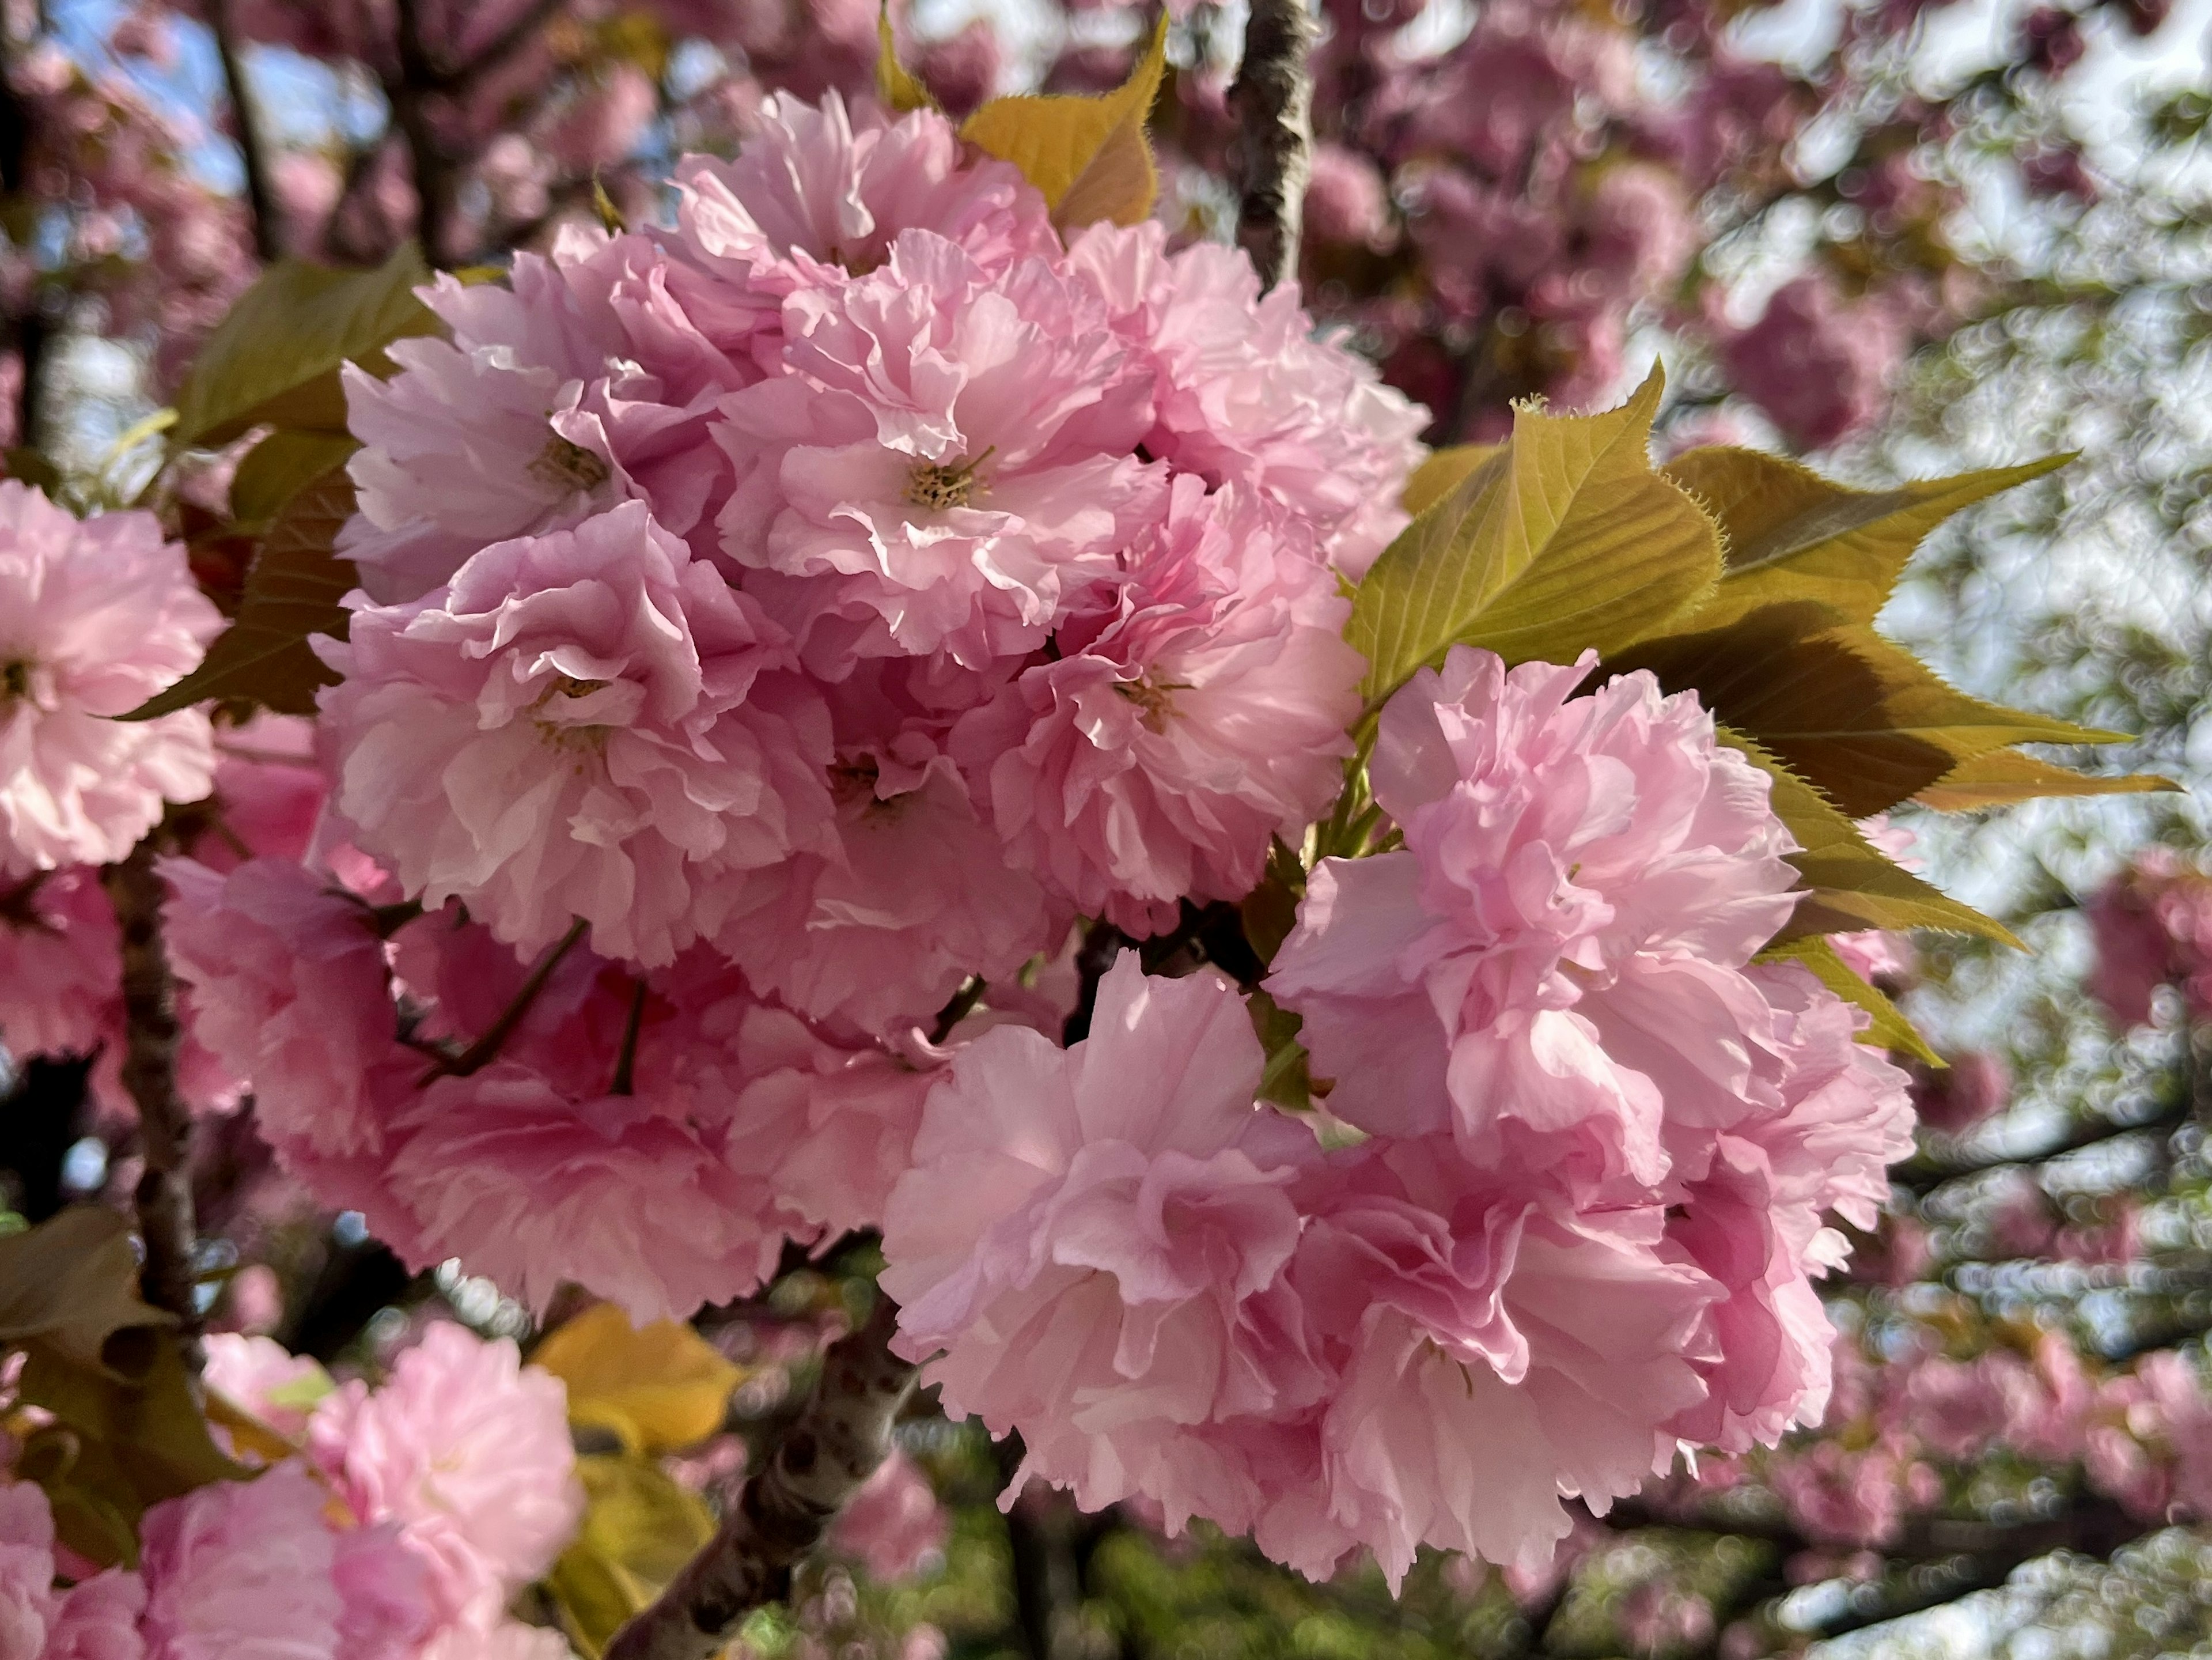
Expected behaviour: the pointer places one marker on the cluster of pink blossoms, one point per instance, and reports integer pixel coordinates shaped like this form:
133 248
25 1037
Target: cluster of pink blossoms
854 579
1601 1145
417 1510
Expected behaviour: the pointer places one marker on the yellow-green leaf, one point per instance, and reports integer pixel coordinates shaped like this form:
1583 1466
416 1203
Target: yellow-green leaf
656 1390
279 466
291 593
1563 539
1851 883
2005 776
275 357
896 87
1866 721
1442 472
1794 535
72 1283
1088 156
639 1529
1889 1029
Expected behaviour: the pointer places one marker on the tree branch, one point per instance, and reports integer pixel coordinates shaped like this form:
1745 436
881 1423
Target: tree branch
436 184
832 1447
1273 96
1921 1176
260 199
149 1074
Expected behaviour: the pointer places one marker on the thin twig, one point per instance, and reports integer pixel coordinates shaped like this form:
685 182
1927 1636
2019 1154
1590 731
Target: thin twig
260 197
1272 97
833 1446
150 1075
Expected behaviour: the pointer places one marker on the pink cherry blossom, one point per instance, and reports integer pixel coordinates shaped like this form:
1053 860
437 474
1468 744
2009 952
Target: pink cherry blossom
26 1570
98 1619
289 989
1819 365
815 193
1497 1353
60 971
384 1594
894 1523
277 1387
537 413
1175 735
583 724
1247 395
532 1187
1122 1227
916 897
1557 952
95 617
467 1452
947 458
241 1570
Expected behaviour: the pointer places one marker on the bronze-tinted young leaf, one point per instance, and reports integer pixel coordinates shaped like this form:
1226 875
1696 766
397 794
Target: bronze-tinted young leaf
72 1283
278 467
2005 776
135 1444
1866 721
292 593
1794 535
1851 883
1088 156
1444 471
896 87
275 357
1270 911
1562 540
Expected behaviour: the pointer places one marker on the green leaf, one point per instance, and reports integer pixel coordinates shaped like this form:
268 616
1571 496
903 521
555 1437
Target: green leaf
2005 776
1088 156
1866 721
278 467
275 357
1562 540
1889 1029
1270 911
896 87
1851 883
1285 1081
1794 535
640 1529
72 1283
133 1443
292 593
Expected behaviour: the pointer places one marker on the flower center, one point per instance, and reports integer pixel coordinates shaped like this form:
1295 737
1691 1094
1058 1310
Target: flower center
1154 705
937 485
570 734
568 466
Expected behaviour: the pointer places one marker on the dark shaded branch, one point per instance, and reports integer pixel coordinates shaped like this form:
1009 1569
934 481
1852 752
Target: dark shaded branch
1272 97
149 1076
260 197
1102 944
409 92
833 1446
1925 1174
